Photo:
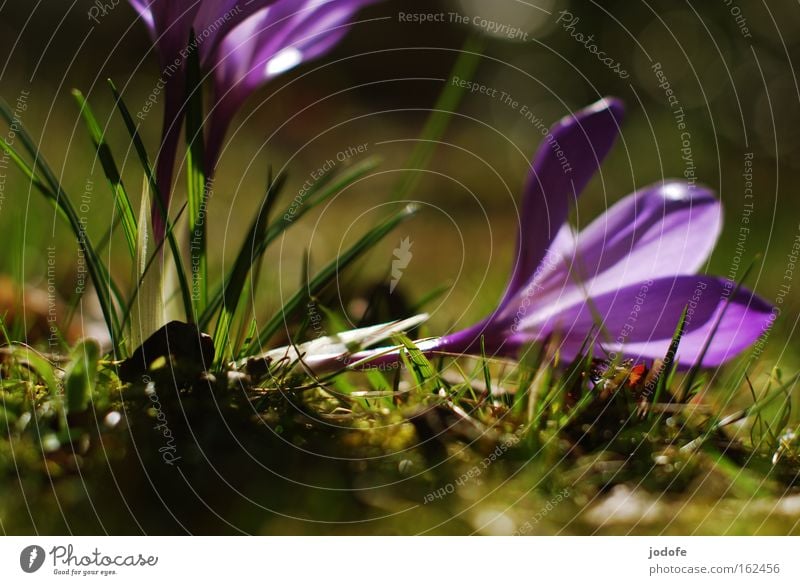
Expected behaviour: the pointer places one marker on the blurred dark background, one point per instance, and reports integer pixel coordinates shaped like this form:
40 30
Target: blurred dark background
731 65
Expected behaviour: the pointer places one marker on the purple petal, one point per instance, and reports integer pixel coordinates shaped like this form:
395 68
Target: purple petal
565 162
217 18
170 23
639 320
308 32
143 8
660 231
268 43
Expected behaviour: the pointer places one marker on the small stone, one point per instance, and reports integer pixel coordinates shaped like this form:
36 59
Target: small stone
624 506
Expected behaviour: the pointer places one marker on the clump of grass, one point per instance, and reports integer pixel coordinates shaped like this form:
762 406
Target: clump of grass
448 433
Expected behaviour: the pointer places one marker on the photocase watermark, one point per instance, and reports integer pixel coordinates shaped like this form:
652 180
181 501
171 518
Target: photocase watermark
315 319
101 9
31 558
84 208
488 25
546 267
512 33
689 170
630 322
177 64
402 258
52 306
568 22
792 253
307 188
551 505
744 227
472 473
740 19
67 562
524 111
20 107
196 243
169 449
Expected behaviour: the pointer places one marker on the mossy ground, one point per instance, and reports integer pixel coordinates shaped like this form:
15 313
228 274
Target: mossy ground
230 453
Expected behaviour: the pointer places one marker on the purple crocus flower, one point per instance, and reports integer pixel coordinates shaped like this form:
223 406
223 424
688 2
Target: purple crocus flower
622 282
243 44
271 42
171 23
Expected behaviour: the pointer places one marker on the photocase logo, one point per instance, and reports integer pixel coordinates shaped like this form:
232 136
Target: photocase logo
31 558
402 257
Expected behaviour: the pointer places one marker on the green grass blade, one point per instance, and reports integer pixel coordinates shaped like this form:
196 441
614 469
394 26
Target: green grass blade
247 257
50 181
695 369
437 122
420 367
141 151
718 422
487 376
81 374
16 266
31 148
196 188
155 256
111 171
429 297
41 366
669 362
26 169
327 274
144 313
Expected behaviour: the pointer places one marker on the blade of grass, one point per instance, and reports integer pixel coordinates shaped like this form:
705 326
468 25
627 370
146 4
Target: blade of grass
718 422
41 165
55 191
744 483
16 270
111 171
245 260
81 375
141 151
695 369
437 122
41 366
197 191
76 297
155 256
430 296
487 376
327 274
418 365
669 362
144 312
